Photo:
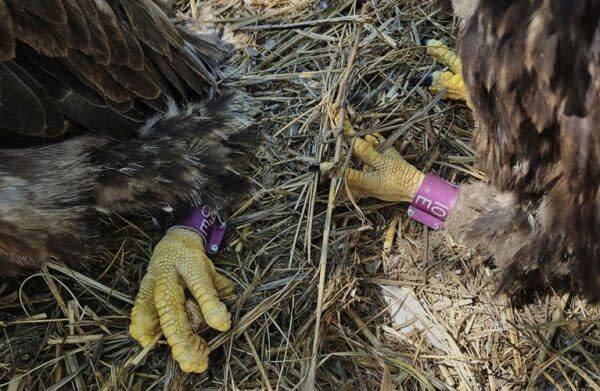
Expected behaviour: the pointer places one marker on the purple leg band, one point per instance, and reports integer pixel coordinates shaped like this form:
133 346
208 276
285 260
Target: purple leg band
433 202
206 223
216 237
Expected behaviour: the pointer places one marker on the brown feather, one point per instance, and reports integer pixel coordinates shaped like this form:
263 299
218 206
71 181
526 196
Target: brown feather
152 72
46 38
136 54
51 11
7 34
53 122
20 107
98 47
81 66
166 68
195 75
169 164
136 82
151 26
121 107
538 112
79 33
500 225
97 75
56 71
116 41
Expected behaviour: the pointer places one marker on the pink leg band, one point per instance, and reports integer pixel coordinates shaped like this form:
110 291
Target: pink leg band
433 202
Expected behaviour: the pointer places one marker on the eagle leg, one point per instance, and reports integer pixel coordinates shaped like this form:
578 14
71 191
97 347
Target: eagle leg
449 82
179 262
386 176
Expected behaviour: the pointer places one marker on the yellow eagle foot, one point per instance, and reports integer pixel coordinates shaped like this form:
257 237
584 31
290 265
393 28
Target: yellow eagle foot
179 262
386 175
451 82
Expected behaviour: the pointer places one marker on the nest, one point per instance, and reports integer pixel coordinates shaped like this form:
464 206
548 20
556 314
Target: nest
328 298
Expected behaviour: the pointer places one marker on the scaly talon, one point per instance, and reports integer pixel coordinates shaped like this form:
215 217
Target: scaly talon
375 139
389 176
179 261
443 55
224 286
452 84
449 81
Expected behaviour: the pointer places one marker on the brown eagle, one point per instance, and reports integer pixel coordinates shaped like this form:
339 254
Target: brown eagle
115 105
531 74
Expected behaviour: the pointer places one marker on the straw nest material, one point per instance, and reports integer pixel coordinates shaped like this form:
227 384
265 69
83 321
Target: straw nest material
320 303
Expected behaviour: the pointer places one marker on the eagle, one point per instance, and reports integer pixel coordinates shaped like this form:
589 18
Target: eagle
530 71
117 106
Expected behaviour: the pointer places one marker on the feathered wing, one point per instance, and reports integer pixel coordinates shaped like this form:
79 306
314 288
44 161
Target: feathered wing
532 69
95 63
50 196
108 105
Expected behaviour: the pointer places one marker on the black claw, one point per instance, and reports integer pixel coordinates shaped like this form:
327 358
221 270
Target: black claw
314 168
424 80
425 41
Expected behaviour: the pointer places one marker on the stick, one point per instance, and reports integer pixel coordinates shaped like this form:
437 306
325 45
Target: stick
306 23
193 8
309 383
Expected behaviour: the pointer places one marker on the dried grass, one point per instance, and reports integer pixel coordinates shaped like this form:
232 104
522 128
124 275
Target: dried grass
308 262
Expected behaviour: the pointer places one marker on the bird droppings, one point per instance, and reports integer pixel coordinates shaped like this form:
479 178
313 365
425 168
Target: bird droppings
273 249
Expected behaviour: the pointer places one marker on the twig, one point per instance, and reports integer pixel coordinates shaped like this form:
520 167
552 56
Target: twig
306 23
259 364
310 379
512 333
193 8
539 362
410 123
